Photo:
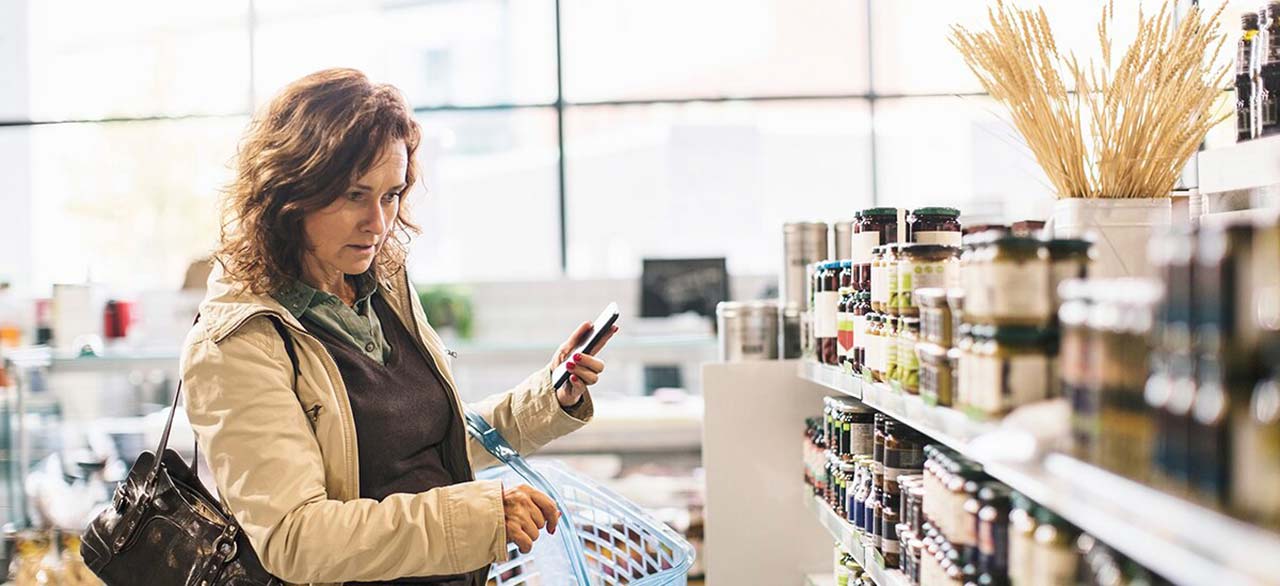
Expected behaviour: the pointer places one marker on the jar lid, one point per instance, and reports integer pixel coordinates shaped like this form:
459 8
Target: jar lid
1008 241
994 493
846 264
879 212
936 211
1065 246
857 214
911 322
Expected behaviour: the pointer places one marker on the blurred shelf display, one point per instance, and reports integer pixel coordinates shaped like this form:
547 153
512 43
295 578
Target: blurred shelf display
1244 165
820 580
636 424
839 529
1186 542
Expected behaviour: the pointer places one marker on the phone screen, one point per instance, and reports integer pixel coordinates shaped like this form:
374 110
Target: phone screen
589 343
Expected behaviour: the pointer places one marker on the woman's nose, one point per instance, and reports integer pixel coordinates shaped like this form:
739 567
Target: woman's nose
376 219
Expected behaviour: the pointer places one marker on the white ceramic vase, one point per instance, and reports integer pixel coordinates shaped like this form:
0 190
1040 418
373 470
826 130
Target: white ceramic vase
1120 228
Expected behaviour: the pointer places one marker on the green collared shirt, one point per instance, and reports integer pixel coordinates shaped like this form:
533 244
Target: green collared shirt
358 325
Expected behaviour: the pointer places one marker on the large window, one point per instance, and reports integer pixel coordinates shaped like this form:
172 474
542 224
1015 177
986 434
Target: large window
563 137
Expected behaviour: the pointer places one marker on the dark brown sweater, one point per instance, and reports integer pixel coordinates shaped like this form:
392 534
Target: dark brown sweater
404 416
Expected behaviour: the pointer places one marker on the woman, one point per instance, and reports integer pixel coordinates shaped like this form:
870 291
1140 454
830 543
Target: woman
357 467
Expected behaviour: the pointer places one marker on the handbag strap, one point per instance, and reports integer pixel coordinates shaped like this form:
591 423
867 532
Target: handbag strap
177 395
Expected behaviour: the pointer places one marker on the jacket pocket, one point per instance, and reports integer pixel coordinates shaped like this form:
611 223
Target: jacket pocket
313 414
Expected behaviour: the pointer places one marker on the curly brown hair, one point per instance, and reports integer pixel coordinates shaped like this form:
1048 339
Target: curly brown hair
302 151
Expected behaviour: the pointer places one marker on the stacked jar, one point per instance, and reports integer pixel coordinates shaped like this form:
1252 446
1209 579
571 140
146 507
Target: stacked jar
1007 341
903 456
921 267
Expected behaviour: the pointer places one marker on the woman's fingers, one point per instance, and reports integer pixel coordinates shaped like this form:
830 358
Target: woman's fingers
587 362
563 352
585 377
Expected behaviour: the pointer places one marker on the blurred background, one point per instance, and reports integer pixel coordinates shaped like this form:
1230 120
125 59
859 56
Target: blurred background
567 142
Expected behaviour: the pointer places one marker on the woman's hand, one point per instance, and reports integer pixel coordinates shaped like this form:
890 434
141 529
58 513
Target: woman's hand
584 369
527 511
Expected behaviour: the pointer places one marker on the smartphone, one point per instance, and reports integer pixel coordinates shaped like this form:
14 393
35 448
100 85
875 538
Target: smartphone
590 342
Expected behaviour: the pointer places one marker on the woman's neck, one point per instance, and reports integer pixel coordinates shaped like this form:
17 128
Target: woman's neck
332 282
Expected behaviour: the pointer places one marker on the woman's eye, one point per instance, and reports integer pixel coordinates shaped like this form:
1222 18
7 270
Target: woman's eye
391 197
355 195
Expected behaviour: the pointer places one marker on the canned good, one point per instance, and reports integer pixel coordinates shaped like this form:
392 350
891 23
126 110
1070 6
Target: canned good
747 330
803 243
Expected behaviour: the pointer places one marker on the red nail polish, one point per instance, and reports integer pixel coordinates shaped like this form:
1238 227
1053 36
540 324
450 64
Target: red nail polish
570 366
573 377
577 357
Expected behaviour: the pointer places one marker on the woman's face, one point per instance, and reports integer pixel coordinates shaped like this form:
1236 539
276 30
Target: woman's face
345 235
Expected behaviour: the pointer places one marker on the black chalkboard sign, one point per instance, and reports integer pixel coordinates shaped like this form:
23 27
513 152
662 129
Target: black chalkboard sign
677 285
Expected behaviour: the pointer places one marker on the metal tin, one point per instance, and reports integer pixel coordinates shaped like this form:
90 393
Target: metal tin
747 330
803 243
843 231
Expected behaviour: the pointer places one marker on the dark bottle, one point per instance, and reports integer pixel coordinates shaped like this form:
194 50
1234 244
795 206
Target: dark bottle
861 307
1269 73
844 316
826 304
1244 76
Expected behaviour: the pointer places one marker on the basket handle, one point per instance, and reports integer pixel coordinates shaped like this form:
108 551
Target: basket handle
499 448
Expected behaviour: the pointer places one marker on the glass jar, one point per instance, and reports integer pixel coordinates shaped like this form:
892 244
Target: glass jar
935 225
955 304
1027 228
892 265
935 316
967 540
876 227
890 342
922 266
1022 528
1054 561
1068 259
875 351
857 423
935 374
861 307
857 500
1010 369
908 363
993 530
846 472
1016 275
877 450
890 547
826 305
964 372
879 280
917 509
903 453
972 272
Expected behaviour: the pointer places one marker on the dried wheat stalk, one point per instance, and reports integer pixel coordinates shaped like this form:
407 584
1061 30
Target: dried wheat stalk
1131 125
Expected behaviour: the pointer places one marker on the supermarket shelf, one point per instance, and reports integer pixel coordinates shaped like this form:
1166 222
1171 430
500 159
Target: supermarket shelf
830 376
1180 540
848 538
839 529
1244 165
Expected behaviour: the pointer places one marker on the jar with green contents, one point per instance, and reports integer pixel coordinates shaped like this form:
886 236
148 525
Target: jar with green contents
1012 369
875 327
890 342
908 363
922 266
1017 278
935 374
935 316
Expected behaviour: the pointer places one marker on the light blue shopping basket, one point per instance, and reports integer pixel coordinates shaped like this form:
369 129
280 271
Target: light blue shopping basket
603 540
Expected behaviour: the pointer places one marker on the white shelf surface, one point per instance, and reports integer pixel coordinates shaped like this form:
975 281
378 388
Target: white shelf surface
1180 540
1244 165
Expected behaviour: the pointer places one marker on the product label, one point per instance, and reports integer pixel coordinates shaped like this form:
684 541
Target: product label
860 246
1018 290
1021 380
825 305
938 237
859 331
891 356
862 439
844 334
879 283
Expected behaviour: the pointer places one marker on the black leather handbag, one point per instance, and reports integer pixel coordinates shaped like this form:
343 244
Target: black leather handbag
165 529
